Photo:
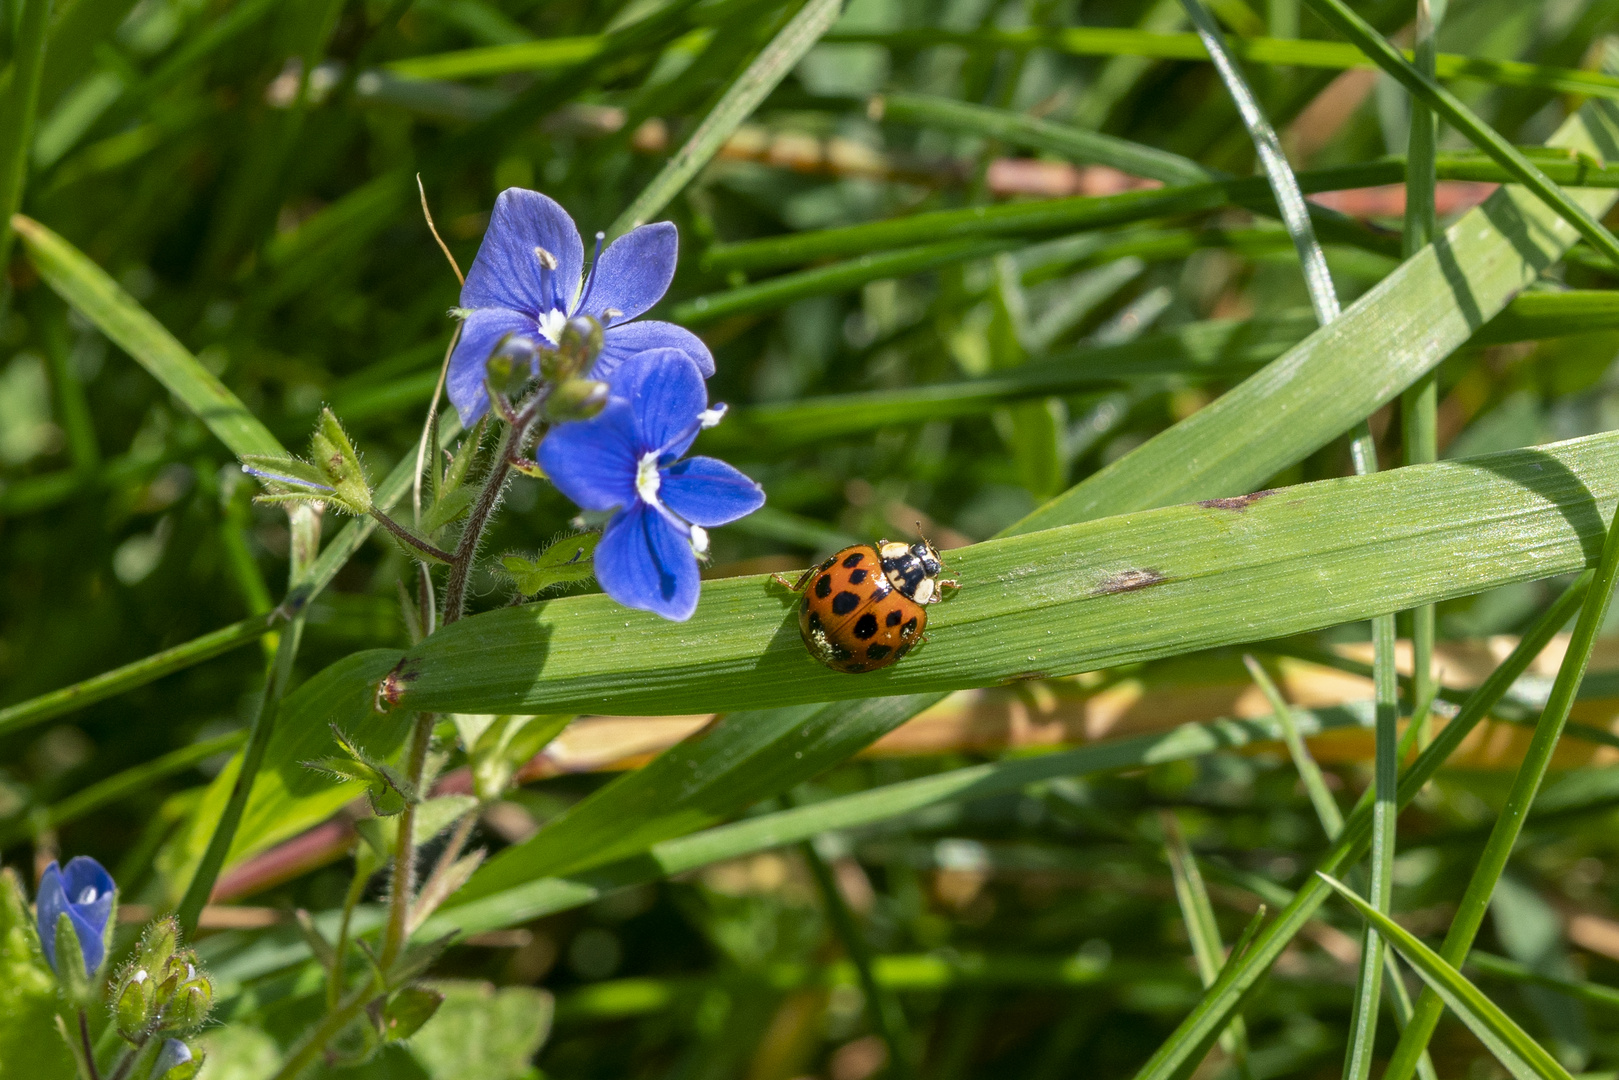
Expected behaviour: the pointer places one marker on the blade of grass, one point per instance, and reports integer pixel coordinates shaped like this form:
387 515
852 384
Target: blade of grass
1513 971
744 95
1202 929
124 784
1297 52
1326 807
1075 144
1419 404
1512 1046
1335 14
1475 901
491 60
1386 340
96 296
882 1006
18 110
1191 1040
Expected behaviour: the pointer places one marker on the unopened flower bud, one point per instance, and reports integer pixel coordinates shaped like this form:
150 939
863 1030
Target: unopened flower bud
136 1006
192 1003
577 348
175 1062
577 399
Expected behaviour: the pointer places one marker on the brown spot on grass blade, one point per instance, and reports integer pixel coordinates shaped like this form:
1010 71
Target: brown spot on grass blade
392 687
1238 502
1128 581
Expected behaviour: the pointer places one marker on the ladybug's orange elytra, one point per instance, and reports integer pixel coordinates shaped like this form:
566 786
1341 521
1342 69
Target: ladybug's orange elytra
866 606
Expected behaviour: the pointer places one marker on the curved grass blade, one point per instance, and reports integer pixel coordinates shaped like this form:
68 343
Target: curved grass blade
744 95
1512 1046
1385 341
1334 13
96 296
1526 783
492 60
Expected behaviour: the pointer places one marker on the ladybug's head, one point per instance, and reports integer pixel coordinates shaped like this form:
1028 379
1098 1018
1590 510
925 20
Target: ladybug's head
928 556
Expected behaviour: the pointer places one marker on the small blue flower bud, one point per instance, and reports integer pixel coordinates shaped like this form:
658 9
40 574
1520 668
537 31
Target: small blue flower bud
85 893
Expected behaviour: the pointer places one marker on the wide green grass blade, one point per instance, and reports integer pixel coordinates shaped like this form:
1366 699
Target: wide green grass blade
750 88
96 296
1384 342
1106 592
1190 1041
528 898
1475 902
1512 1046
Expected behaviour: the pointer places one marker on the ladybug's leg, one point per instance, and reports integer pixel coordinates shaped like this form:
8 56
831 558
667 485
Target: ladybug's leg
791 587
940 586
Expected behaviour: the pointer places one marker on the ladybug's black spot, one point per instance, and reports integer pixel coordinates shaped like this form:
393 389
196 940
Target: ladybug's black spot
865 626
853 668
854 560
877 652
895 616
844 602
856 576
823 587
910 627
902 650
815 620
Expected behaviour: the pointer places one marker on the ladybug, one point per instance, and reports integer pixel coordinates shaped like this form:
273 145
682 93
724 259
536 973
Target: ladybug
866 606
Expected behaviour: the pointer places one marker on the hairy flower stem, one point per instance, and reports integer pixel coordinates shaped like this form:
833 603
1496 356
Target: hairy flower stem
304 1055
404 870
410 539
455 591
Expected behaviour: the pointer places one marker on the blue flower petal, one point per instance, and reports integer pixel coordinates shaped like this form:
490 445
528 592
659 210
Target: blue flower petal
91 944
644 561
623 340
708 492
506 272
593 462
665 388
90 890
480 333
49 905
633 273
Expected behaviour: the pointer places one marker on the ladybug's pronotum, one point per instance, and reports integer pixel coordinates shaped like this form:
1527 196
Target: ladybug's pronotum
866 606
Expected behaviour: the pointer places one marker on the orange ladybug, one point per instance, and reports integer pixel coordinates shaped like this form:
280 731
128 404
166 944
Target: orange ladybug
866 606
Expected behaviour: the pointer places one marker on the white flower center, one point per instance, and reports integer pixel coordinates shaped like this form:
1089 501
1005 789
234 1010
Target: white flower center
551 324
647 479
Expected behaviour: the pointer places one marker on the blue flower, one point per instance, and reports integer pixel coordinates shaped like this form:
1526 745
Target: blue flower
174 1054
528 280
85 892
627 459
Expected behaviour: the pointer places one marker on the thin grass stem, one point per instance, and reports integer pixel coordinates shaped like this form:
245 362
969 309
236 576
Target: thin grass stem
1315 785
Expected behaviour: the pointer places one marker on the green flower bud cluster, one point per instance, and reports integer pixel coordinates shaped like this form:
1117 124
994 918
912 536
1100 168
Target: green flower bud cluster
162 989
333 474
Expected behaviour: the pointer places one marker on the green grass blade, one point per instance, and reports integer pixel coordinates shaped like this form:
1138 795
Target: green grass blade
1202 929
1465 121
1513 971
1185 1048
524 899
19 107
1332 55
1511 1045
751 87
1391 336
95 295
1419 405
1526 783
1075 144
1326 807
131 781
48 706
491 60
1112 591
